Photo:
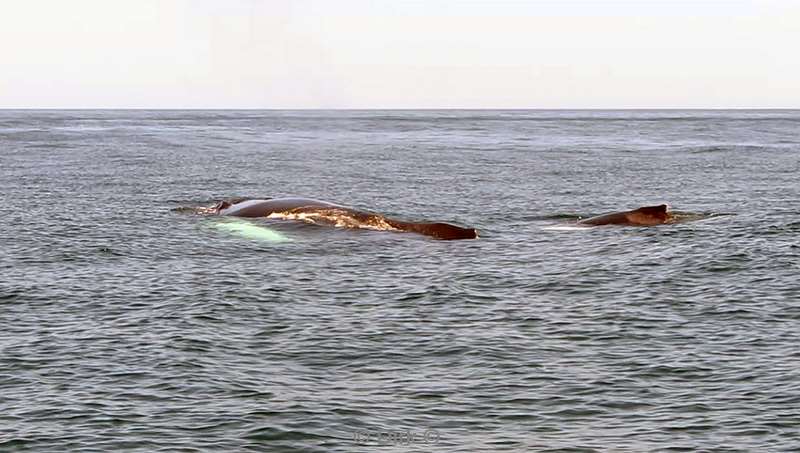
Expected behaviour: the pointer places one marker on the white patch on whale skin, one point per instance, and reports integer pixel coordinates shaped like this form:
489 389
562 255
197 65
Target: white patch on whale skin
337 218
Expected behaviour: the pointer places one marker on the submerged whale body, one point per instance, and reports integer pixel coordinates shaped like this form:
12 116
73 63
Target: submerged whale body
644 216
323 212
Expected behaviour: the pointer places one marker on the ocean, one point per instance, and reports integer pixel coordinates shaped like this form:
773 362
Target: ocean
128 326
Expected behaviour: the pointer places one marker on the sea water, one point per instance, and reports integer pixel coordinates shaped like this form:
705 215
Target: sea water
127 326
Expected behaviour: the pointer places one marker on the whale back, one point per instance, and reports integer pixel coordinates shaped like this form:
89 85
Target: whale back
263 207
352 218
644 216
660 210
614 218
321 212
438 230
649 215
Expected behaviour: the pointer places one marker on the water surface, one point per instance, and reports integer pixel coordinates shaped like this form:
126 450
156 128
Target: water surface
126 326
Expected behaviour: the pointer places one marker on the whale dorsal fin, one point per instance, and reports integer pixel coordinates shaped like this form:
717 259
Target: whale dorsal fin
653 210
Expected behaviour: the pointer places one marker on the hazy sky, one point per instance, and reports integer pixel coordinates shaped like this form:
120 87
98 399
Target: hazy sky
399 53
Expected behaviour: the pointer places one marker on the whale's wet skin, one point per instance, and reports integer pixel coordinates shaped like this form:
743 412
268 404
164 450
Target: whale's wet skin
323 212
645 216
129 327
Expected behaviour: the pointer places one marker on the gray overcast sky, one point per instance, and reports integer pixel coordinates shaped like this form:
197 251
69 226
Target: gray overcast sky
399 54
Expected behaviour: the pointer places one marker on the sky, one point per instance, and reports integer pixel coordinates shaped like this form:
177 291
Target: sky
536 54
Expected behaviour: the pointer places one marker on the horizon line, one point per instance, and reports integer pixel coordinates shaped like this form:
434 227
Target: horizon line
404 108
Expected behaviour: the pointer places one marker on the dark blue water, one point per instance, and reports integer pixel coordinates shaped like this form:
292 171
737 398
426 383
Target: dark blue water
127 326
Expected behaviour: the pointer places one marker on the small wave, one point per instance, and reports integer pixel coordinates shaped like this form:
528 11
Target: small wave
552 217
711 149
184 210
575 227
684 216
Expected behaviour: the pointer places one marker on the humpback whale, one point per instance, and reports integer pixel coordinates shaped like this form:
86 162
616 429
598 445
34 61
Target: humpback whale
323 212
644 216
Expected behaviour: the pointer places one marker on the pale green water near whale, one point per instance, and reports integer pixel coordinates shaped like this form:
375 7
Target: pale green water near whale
247 229
128 327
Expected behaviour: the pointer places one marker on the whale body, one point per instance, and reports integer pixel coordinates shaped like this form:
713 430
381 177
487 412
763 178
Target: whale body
323 212
644 216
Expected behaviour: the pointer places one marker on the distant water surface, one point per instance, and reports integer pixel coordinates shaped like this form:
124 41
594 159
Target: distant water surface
127 326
